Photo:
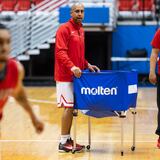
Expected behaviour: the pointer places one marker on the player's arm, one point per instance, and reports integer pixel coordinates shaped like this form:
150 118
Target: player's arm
20 95
153 61
61 47
62 38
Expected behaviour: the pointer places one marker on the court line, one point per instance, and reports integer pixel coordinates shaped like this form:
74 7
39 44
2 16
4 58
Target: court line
11 99
54 102
42 101
93 141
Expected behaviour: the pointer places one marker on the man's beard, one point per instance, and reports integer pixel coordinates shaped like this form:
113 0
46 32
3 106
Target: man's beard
3 71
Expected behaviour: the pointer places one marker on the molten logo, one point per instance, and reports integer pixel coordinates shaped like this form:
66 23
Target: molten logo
99 91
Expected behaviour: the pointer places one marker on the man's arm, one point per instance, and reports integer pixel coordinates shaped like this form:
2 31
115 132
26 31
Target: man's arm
153 61
20 95
77 71
61 47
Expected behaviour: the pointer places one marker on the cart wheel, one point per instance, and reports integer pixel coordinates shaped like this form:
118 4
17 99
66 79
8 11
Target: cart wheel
121 153
133 148
88 147
73 151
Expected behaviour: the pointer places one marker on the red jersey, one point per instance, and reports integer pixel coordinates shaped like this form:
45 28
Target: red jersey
9 82
69 51
156 44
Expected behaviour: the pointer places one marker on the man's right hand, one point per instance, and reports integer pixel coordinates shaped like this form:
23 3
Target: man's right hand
76 71
153 78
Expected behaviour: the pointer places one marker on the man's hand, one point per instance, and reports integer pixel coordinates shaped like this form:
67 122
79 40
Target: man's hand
93 68
76 71
153 61
153 78
38 125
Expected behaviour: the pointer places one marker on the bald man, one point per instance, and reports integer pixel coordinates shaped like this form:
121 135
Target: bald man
69 61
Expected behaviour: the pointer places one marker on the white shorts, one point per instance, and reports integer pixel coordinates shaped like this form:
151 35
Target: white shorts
65 94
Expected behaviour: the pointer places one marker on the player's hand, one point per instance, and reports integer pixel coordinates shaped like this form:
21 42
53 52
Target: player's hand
93 68
76 71
153 78
38 125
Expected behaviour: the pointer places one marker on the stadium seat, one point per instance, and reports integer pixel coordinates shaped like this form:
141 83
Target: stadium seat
23 5
125 5
147 6
37 1
8 5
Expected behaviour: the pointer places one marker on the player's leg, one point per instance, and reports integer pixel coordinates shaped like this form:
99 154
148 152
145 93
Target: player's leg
158 115
65 99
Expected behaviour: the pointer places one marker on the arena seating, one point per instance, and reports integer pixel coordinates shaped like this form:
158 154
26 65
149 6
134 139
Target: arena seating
146 5
17 5
36 2
129 5
7 5
23 5
125 5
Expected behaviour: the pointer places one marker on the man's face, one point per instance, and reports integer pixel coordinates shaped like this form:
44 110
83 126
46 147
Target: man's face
78 13
5 45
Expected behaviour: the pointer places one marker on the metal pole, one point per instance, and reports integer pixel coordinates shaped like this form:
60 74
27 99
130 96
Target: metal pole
89 133
143 10
122 136
134 129
75 114
157 12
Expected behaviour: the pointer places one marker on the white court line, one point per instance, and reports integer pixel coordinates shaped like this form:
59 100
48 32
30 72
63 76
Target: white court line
42 101
11 99
54 102
93 141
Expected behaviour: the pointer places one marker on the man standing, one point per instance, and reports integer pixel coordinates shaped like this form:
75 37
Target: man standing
11 79
156 79
69 61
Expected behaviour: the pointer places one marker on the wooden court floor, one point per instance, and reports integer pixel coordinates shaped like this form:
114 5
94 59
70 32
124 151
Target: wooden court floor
20 142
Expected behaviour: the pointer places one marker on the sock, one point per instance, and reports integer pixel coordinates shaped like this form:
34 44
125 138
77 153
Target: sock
64 138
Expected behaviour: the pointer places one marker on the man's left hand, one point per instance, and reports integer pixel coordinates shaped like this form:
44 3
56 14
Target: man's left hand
93 68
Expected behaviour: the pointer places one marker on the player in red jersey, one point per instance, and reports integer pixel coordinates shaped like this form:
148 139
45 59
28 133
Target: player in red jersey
11 76
155 79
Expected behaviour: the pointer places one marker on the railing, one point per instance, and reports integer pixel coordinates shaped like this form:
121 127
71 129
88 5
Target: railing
39 24
35 27
44 21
